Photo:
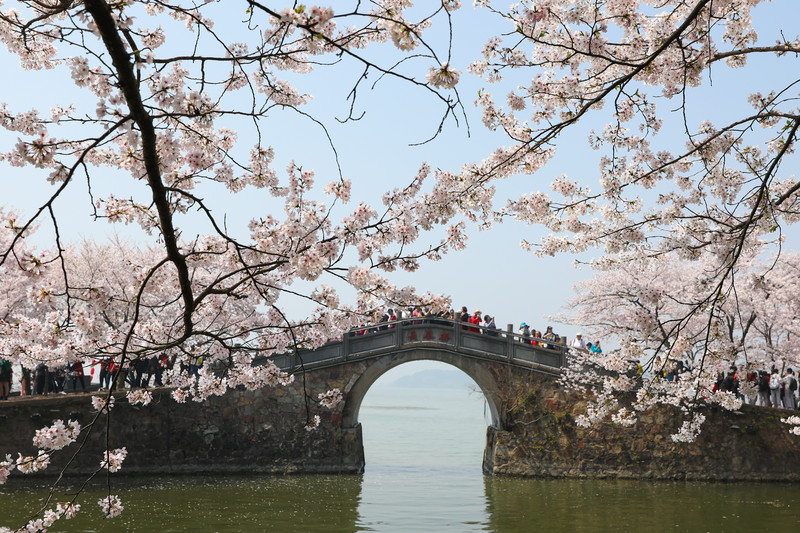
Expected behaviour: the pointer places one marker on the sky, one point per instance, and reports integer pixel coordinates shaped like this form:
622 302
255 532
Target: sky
493 273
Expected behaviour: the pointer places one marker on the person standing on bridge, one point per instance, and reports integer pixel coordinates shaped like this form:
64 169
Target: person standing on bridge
387 317
415 313
464 317
6 376
104 375
788 386
76 373
525 331
763 388
549 336
775 388
491 327
578 343
475 320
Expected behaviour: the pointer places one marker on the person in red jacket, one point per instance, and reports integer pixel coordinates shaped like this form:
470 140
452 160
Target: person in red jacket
76 372
476 319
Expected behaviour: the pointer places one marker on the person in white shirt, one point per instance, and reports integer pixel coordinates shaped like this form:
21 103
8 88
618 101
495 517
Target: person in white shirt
578 342
788 391
775 388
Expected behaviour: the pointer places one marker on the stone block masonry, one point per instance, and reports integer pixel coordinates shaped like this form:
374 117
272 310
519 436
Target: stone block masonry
542 440
240 432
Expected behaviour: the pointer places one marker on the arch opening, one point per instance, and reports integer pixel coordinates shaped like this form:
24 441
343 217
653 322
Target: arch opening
424 414
476 371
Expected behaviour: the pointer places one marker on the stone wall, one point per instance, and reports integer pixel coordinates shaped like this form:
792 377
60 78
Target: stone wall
242 431
535 435
542 440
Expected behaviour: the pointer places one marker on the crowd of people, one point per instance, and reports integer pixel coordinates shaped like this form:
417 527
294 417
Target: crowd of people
140 373
479 322
771 388
755 386
475 322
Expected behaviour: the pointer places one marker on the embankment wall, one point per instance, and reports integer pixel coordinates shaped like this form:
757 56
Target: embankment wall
259 431
263 432
542 440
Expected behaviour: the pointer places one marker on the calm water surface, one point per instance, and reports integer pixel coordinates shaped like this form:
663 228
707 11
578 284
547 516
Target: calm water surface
423 451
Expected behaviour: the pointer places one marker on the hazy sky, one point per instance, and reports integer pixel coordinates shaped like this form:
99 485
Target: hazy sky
493 274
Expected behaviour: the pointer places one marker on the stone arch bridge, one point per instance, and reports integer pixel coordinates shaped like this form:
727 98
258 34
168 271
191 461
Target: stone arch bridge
478 352
747 444
489 357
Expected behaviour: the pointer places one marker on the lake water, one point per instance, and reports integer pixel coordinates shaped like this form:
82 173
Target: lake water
423 451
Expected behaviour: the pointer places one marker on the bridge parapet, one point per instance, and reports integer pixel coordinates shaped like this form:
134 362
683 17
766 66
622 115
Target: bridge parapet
467 340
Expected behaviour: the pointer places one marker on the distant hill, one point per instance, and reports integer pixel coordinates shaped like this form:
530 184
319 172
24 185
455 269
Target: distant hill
427 379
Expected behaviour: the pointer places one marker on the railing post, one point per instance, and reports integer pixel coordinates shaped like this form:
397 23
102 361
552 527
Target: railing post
457 334
398 340
509 342
346 344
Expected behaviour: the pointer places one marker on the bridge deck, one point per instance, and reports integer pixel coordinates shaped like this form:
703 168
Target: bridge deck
471 341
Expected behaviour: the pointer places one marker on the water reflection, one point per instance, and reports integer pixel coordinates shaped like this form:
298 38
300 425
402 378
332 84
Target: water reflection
223 504
420 499
423 473
423 499
625 505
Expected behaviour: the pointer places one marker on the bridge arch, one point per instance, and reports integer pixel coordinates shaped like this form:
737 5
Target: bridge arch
473 368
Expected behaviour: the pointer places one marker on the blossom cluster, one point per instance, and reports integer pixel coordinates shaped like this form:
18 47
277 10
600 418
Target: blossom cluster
690 429
57 436
111 505
313 423
794 421
331 398
112 459
28 464
6 467
103 403
139 396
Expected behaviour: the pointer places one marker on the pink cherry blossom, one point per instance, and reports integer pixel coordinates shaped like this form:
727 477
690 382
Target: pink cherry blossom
111 506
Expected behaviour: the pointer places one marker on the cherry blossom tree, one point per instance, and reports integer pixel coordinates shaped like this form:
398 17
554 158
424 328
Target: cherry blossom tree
654 309
719 196
18 277
17 271
181 109
647 304
724 193
772 296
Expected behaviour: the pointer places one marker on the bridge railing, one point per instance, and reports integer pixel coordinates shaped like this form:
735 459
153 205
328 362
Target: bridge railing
467 339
